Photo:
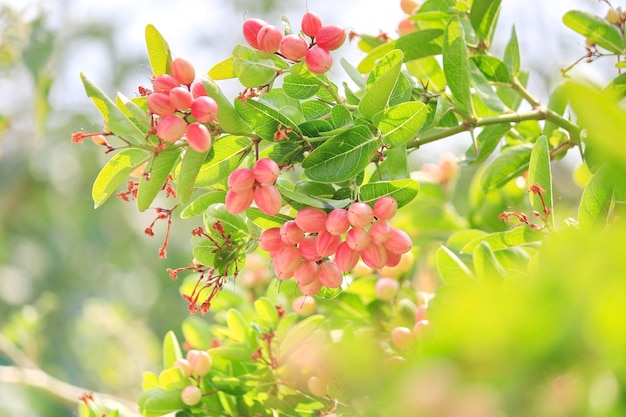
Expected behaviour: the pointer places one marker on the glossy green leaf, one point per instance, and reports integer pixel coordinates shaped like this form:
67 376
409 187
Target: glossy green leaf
229 119
540 172
403 191
300 87
596 200
520 235
189 169
284 152
159 169
225 155
197 332
456 65
487 141
511 163
451 269
486 266
492 68
399 124
223 70
341 157
511 54
266 313
341 116
173 378
158 52
253 74
171 350
114 172
265 120
383 80
484 16
314 188
596 29
200 204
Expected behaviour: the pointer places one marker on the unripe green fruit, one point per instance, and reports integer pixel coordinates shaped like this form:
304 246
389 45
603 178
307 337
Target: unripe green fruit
191 395
198 137
171 128
183 71
200 362
251 29
330 37
269 38
304 306
293 47
318 60
311 24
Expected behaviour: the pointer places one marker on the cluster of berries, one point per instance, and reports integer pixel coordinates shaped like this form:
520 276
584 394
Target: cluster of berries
301 248
323 38
182 110
257 184
198 363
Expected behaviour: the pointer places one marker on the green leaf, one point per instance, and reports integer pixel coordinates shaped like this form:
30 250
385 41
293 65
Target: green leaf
189 169
284 152
486 141
341 116
225 155
314 188
395 165
488 269
341 157
485 95
511 53
296 198
557 103
223 70
400 123
233 224
150 185
238 326
197 333
451 269
539 172
139 115
266 313
596 200
253 74
265 221
511 163
159 402
403 191
229 119
299 87
384 78
200 204
171 350
158 52
428 72
173 378
492 68
456 65
353 73
313 109
484 16
596 29
265 120
520 235
118 123
114 172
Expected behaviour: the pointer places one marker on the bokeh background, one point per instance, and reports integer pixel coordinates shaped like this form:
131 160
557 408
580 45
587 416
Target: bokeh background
83 294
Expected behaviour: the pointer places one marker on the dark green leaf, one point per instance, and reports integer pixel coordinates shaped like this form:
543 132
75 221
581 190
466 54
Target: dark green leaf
596 29
484 16
114 172
159 169
596 200
315 128
318 189
284 152
456 65
381 83
511 163
486 141
492 68
403 191
395 165
299 200
158 52
225 155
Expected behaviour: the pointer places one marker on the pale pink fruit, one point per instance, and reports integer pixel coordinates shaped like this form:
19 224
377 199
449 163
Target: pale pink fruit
269 38
317 386
393 259
346 258
380 231
183 70
251 29
191 395
200 361
326 243
198 137
241 179
159 103
204 109
287 260
421 313
270 240
330 37
360 214
266 171
308 248
311 219
330 274
238 201
198 90
399 241
421 329
181 98
406 26
304 306
386 288
311 24
385 208
183 365
306 272
293 47
318 60
268 199
312 287
164 83
374 255
290 233
402 337
358 239
337 221
171 128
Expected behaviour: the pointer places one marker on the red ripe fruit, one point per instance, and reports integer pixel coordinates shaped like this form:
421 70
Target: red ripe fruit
330 37
241 179
385 208
308 248
159 103
171 128
406 26
266 171
268 199
306 273
251 28
393 259
399 242
311 219
287 260
337 221
198 137
293 47
164 83
181 98
346 258
290 233
311 24
360 214
183 71
330 274
269 38
380 231
311 288
238 201
318 60
204 109
326 243
358 239
198 90
374 255
270 240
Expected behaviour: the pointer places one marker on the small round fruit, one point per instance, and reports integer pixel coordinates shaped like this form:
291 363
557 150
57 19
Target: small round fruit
330 37
386 288
318 60
346 258
183 365
290 233
402 337
308 248
399 242
409 6
327 243
198 137
160 103
238 201
360 214
312 287
270 240
330 274
380 231
269 38
311 24
268 199
374 255
406 26
337 221
181 98
183 71
200 361
191 395
251 28
306 273
266 171
311 219
164 83
204 109
241 179
171 128
358 239
198 90
293 47
613 17
385 208
304 306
